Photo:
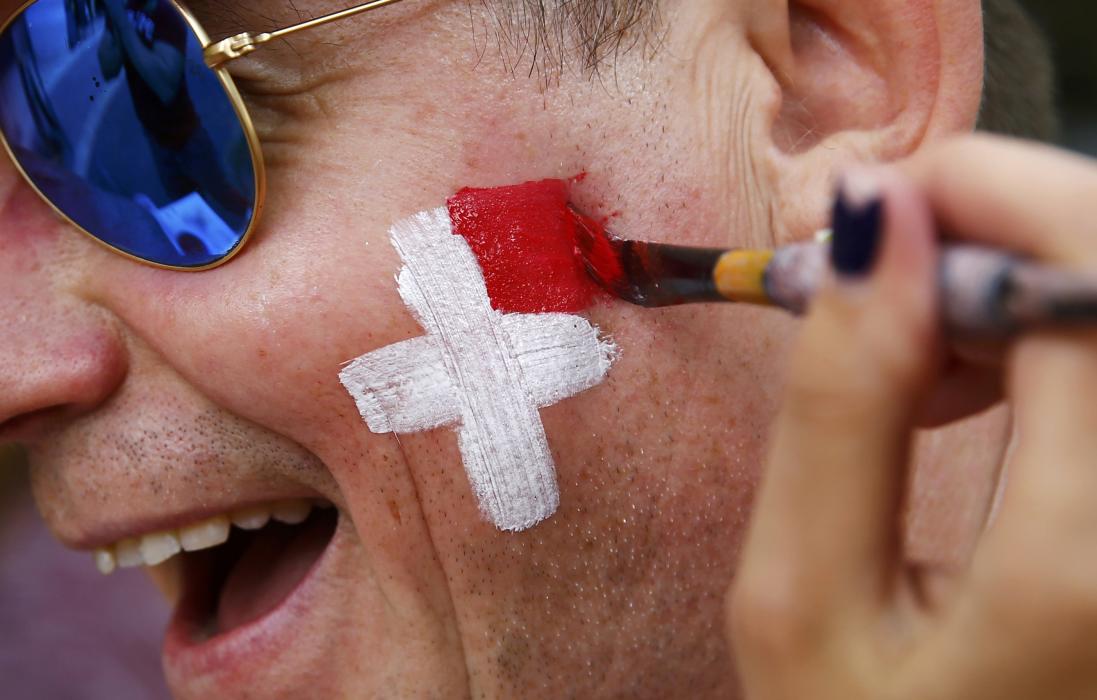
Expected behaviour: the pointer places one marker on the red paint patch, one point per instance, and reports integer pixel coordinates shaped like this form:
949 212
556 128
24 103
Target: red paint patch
524 238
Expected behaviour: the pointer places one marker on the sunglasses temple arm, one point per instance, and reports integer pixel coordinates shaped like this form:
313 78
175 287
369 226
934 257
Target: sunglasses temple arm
219 53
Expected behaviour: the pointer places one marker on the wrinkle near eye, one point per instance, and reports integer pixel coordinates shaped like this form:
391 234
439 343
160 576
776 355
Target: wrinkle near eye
287 121
294 78
286 106
223 19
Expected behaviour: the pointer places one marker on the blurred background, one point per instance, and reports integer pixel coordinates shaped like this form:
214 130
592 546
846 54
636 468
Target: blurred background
69 632
1069 26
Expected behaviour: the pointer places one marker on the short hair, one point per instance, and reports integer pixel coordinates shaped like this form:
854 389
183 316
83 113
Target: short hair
541 35
1018 94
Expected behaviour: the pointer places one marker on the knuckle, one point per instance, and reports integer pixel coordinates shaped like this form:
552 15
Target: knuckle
847 351
898 351
769 620
851 391
823 366
834 410
853 363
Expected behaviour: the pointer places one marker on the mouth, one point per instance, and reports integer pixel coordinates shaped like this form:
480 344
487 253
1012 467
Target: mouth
234 569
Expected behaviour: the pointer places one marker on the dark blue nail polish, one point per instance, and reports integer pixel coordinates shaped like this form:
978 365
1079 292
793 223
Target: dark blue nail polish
857 232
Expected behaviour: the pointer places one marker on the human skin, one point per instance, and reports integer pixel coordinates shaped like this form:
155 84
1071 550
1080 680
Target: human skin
824 605
148 399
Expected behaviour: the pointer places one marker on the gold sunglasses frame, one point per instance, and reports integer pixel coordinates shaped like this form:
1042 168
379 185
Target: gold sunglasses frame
217 55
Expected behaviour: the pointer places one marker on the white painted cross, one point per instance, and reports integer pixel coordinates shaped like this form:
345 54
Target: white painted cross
483 372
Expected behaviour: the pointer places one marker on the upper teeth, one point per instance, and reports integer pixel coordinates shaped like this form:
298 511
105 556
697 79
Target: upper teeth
157 547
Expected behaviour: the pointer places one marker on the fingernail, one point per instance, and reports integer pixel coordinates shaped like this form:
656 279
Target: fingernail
858 226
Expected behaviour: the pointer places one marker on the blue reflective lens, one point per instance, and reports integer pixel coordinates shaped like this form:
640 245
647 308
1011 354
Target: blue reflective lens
110 109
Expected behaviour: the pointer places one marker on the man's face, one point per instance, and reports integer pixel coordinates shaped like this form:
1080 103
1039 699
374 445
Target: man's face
151 400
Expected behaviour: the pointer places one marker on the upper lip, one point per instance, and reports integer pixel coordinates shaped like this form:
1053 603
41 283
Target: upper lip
97 534
122 473
28 426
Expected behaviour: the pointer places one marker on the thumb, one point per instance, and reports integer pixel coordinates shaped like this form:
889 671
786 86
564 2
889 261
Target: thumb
829 504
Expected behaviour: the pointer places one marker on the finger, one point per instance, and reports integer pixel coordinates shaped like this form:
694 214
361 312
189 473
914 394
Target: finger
1032 199
1041 202
1053 381
931 586
827 513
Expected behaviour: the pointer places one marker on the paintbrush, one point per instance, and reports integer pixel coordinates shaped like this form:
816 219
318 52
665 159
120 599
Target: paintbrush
983 291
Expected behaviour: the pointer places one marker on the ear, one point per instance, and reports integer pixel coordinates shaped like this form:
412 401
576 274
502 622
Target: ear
861 81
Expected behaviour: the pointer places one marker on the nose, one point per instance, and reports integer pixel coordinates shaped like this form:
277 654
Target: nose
59 355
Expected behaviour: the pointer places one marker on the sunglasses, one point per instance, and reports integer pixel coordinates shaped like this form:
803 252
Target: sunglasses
122 115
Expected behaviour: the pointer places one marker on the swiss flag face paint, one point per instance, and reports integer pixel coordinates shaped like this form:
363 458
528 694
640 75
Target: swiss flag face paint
524 238
489 278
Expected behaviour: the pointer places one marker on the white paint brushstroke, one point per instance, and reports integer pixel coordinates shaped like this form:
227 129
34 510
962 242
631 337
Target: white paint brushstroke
484 372
403 388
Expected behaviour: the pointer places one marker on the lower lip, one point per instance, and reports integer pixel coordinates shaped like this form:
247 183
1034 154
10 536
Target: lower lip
241 656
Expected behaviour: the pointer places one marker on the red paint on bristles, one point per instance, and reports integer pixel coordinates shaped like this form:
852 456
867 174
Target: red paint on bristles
524 237
598 250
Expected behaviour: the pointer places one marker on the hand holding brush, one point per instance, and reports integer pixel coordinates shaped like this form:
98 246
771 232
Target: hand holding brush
826 602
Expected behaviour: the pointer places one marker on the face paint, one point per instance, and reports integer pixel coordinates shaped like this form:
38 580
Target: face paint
524 238
479 370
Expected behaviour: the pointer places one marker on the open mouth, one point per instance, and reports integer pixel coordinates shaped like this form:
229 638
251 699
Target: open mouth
239 582
233 569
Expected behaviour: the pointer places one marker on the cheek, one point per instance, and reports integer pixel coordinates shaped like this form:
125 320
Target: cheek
657 468
660 465
691 395
265 336
28 227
